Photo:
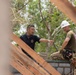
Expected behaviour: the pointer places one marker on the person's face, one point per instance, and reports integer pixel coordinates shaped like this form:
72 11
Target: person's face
66 29
31 30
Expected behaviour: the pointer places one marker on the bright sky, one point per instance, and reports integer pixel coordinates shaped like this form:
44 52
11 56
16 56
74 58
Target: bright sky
23 29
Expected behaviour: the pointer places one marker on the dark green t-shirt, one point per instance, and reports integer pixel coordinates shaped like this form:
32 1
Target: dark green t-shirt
72 42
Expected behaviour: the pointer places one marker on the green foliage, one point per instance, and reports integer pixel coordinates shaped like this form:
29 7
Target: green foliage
40 13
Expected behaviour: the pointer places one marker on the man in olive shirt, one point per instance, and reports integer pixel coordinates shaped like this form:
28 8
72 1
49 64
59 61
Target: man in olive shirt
69 43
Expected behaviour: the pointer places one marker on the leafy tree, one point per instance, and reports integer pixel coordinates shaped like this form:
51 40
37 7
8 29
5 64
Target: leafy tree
46 18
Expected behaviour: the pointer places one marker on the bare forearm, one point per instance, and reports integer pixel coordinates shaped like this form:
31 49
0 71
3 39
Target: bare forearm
47 41
44 40
64 45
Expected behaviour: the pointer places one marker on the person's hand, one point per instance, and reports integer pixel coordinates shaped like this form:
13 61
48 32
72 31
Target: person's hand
51 42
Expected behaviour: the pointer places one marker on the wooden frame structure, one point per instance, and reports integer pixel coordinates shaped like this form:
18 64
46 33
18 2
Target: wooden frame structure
37 65
27 66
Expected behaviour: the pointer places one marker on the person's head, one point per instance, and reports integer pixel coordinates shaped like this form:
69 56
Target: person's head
65 25
30 29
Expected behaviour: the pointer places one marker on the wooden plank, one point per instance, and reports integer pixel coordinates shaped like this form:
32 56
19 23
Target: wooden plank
18 58
67 8
35 56
29 61
20 68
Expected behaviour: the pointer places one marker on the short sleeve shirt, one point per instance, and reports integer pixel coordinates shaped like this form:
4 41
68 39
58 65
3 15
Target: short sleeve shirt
72 42
30 40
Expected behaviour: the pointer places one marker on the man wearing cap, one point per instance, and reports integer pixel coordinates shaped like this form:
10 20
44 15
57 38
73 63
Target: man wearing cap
69 45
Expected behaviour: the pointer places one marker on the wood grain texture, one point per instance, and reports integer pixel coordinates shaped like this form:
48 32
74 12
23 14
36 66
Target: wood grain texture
35 56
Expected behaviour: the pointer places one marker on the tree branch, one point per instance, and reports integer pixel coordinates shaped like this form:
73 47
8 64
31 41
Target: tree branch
46 23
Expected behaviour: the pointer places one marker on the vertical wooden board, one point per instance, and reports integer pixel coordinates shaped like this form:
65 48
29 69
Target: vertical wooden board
4 36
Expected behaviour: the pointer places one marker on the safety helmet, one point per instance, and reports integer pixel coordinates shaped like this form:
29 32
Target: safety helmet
64 24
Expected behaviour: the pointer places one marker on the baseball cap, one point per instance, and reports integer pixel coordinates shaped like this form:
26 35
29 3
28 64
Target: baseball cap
64 24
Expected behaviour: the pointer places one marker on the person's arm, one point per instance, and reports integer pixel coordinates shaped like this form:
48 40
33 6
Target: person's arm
46 40
68 37
38 39
65 43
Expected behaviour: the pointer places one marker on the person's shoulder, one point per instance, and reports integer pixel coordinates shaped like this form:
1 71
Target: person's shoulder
71 32
23 35
34 35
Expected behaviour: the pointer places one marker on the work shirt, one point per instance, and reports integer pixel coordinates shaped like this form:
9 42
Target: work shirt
30 40
72 42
